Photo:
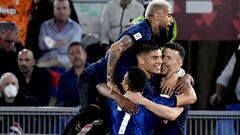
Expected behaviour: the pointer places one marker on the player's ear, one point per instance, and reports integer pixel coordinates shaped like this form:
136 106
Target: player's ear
179 62
126 88
140 59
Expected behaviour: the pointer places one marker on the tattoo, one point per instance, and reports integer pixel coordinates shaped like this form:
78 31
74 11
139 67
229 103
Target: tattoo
112 57
117 49
126 42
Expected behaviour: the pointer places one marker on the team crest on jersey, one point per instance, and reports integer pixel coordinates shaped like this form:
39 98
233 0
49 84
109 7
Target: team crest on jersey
137 36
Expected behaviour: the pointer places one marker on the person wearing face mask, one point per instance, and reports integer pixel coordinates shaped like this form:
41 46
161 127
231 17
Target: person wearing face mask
10 96
9 92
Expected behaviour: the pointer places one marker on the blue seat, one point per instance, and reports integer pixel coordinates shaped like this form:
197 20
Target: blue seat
233 107
227 126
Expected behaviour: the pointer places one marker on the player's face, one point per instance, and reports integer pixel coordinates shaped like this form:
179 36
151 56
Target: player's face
166 18
171 61
77 56
152 62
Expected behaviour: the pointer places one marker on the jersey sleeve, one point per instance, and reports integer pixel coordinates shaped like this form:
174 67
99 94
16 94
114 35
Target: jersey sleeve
170 102
138 33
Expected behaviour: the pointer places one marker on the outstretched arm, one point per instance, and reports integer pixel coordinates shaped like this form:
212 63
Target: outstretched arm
122 101
158 109
115 52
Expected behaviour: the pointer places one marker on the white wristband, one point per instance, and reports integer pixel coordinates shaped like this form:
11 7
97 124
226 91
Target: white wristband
181 72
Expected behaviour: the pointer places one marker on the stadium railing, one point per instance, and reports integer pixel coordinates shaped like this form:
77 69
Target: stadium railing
52 120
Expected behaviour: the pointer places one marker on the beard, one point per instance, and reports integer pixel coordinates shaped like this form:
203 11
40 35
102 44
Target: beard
24 69
78 63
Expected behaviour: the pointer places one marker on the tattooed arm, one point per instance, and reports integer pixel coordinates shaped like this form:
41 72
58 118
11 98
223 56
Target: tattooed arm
115 52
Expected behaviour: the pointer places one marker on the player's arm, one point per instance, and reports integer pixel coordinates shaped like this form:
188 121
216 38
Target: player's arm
158 109
115 52
122 101
169 84
187 97
104 90
162 110
177 81
184 82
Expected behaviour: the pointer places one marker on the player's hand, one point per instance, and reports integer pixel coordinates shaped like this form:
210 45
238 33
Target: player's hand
126 105
184 82
113 86
215 99
135 97
168 85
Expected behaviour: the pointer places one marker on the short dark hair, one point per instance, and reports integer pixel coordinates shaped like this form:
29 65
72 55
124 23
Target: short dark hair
136 79
177 47
146 46
76 44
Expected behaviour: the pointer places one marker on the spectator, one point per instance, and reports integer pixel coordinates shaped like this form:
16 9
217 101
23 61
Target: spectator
18 12
9 88
16 129
33 81
68 94
56 35
41 10
228 84
9 46
116 17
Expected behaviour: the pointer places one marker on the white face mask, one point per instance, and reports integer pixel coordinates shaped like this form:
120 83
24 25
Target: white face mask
10 91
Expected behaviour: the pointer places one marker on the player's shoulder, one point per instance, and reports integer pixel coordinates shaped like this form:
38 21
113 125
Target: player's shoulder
140 31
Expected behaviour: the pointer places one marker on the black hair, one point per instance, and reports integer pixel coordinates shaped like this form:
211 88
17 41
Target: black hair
76 44
177 47
136 79
146 46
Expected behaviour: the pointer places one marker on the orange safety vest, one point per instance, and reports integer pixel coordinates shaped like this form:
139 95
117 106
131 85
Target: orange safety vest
16 11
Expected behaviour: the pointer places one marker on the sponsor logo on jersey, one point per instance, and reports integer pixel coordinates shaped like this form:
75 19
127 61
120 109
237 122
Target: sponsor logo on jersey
137 36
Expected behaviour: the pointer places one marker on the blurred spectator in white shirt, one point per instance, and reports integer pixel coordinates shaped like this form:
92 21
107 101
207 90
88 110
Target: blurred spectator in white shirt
116 17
